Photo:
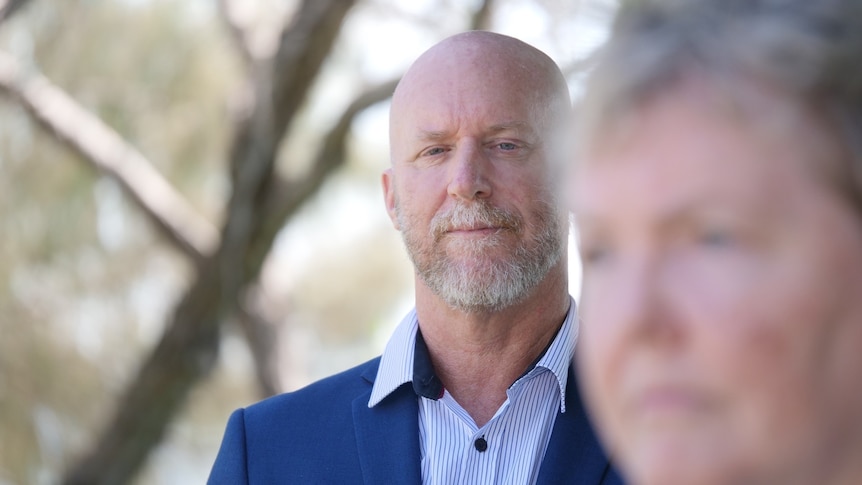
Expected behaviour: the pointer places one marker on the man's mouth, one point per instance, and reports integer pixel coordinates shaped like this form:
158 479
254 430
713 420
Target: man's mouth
476 222
476 229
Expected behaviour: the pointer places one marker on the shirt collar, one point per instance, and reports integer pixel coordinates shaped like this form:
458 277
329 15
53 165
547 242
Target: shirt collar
396 363
400 358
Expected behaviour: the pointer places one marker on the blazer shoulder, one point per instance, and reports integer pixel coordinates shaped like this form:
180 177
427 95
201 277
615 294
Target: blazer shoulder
297 437
331 394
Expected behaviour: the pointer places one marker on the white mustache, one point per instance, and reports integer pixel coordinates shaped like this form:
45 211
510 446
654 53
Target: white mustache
477 215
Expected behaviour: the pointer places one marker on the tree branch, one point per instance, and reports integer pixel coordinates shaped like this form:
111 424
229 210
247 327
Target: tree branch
239 33
283 198
258 322
9 7
184 228
578 66
105 149
302 50
187 350
482 16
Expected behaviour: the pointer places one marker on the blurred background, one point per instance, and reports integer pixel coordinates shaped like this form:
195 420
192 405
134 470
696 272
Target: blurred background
191 216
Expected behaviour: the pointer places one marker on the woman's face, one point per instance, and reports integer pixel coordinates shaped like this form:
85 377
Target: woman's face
722 305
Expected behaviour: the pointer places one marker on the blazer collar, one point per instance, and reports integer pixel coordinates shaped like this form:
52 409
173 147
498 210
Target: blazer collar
574 455
387 435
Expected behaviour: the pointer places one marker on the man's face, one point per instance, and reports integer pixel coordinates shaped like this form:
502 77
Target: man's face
469 188
722 317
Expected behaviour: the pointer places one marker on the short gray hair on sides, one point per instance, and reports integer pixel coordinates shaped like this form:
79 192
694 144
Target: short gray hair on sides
810 50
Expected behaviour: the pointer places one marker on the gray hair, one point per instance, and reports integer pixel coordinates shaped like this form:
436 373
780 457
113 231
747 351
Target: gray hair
810 50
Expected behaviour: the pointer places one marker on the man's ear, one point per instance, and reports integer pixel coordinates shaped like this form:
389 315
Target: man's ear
389 196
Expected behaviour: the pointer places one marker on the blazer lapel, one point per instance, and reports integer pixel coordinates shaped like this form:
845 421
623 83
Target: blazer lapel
574 455
387 437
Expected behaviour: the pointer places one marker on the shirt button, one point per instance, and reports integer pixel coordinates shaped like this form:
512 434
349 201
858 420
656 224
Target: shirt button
480 444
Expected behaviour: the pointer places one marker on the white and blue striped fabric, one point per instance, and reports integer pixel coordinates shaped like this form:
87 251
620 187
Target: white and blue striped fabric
511 446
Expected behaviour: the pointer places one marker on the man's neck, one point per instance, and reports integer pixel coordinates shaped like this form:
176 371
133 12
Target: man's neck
478 356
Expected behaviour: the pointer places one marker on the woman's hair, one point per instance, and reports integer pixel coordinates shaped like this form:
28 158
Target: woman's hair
808 50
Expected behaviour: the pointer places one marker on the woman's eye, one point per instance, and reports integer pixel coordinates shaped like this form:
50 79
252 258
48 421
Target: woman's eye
715 238
594 254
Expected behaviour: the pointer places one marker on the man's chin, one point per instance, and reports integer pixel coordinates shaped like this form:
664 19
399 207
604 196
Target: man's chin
477 268
478 240
471 253
470 299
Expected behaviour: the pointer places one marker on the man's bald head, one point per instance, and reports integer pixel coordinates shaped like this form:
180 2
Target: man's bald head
455 68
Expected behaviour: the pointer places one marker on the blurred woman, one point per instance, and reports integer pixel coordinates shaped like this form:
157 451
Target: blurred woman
718 195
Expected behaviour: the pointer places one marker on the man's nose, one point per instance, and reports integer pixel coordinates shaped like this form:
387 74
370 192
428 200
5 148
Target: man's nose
468 173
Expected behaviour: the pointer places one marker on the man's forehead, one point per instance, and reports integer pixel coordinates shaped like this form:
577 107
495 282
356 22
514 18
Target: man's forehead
491 100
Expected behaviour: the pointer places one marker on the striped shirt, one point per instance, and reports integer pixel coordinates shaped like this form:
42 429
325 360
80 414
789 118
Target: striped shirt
507 449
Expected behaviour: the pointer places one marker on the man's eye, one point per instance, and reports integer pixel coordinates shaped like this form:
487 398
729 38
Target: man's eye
506 146
433 151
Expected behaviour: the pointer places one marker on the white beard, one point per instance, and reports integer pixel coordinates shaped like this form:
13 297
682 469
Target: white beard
477 281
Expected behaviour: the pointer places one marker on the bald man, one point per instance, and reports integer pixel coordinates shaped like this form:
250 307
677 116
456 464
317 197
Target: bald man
475 385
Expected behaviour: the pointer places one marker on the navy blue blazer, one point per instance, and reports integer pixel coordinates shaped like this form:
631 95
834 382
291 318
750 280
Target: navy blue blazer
326 434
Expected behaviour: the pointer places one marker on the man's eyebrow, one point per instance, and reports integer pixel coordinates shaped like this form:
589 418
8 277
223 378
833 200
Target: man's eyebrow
510 125
431 135
521 128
